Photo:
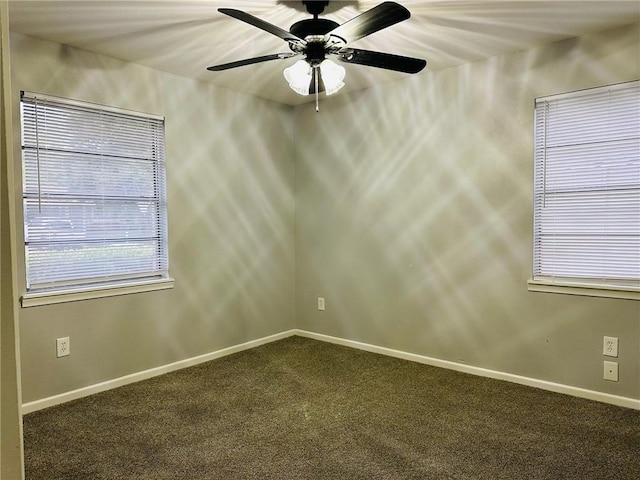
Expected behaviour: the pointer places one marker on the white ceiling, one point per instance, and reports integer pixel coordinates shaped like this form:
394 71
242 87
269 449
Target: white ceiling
185 36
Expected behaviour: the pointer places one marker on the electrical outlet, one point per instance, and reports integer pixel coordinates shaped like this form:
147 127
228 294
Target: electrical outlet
320 303
611 371
610 346
63 346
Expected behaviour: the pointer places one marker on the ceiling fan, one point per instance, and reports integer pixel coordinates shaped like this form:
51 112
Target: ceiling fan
315 39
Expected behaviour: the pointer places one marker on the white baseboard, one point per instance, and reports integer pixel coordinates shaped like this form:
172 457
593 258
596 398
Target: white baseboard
483 372
153 372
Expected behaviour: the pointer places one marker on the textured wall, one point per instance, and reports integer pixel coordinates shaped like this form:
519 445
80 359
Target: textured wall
11 453
414 218
231 213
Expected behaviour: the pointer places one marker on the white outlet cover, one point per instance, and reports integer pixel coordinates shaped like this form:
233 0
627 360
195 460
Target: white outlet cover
611 371
320 303
63 347
610 346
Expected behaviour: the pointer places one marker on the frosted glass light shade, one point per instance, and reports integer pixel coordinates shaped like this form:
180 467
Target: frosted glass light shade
300 77
332 76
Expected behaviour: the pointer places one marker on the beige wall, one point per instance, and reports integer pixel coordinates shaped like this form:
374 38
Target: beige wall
231 212
414 219
11 453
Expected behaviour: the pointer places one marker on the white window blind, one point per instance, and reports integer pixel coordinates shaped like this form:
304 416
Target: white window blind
587 187
93 194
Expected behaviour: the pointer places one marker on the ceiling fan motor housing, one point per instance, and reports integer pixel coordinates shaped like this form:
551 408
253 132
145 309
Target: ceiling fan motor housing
313 26
313 30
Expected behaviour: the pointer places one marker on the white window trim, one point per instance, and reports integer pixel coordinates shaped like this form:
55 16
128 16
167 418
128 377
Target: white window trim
589 290
87 293
628 290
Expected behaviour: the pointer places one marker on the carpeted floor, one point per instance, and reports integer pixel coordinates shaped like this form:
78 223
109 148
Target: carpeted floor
303 409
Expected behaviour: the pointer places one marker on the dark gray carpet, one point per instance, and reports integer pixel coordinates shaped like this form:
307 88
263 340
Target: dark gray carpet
303 409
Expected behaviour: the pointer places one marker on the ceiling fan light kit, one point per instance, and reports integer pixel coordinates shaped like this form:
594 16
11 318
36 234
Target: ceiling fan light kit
316 39
302 77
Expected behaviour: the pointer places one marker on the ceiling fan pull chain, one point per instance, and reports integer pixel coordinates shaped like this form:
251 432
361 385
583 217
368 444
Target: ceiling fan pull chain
317 72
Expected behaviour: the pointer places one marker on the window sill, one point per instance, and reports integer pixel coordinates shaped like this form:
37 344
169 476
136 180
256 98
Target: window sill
87 293
584 289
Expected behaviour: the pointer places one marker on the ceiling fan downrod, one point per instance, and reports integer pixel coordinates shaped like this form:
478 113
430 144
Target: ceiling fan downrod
315 7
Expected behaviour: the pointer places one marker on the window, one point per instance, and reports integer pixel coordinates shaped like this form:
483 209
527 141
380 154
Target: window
587 192
94 200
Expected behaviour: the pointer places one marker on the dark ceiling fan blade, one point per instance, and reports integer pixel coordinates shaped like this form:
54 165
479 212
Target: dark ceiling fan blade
249 61
382 60
371 21
256 22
